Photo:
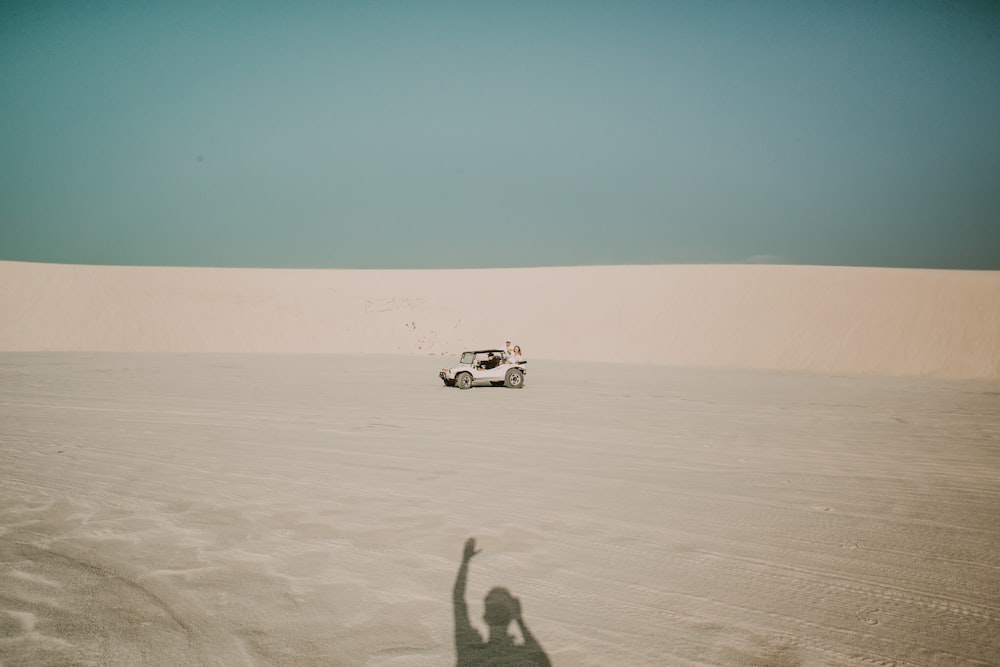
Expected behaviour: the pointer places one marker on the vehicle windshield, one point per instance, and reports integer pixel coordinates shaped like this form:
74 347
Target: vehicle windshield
467 358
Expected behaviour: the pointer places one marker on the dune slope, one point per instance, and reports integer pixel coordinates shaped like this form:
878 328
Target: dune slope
798 318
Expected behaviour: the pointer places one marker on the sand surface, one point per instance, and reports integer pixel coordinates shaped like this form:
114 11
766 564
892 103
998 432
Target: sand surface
837 320
311 510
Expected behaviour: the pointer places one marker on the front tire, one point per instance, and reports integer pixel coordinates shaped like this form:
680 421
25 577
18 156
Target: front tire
514 379
463 381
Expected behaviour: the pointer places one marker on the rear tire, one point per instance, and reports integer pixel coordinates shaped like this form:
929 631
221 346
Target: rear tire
514 379
463 381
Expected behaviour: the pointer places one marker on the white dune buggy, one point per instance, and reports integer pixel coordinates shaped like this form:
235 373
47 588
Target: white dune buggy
482 367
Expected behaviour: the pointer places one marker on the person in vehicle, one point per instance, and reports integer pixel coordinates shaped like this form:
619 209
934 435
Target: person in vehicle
491 361
515 357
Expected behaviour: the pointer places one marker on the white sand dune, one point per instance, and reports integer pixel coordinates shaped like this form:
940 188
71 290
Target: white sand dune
159 508
305 510
801 318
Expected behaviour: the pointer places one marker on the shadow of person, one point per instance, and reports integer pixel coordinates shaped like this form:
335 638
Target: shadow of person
502 608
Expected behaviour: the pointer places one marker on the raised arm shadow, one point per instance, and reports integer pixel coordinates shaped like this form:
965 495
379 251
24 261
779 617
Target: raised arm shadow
502 608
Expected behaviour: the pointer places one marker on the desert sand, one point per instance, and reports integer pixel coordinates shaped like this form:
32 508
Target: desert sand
803 318
818 485
312 509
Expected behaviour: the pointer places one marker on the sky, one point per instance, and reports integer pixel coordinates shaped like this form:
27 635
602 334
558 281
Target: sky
465 134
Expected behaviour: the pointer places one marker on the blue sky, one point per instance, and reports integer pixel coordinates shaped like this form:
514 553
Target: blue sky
474 134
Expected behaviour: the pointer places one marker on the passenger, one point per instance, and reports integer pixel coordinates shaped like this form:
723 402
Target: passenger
515 357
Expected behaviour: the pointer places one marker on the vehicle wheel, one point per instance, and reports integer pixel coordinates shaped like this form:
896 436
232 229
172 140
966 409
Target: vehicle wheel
448 383
464 381
514 379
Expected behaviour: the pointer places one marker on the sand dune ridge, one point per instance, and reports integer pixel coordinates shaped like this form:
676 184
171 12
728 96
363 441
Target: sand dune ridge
839 320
